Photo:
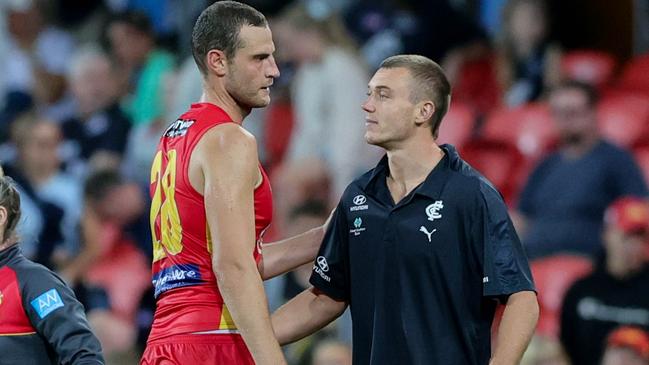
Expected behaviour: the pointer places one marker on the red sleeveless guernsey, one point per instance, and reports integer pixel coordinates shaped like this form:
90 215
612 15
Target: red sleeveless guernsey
187 296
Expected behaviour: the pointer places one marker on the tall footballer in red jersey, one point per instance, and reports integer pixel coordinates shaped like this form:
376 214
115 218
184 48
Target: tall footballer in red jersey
211 202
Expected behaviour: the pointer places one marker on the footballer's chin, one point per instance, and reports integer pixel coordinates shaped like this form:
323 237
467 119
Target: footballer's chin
260 101
371 138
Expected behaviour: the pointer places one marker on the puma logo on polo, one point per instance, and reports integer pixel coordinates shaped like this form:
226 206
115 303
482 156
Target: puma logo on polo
428 234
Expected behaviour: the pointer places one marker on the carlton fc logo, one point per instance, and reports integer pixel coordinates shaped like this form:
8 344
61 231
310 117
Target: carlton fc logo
432 211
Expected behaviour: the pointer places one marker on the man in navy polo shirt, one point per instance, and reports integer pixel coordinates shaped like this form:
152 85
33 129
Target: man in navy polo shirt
421 247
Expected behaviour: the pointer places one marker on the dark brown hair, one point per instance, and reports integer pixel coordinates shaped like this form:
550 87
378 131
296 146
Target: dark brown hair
218 27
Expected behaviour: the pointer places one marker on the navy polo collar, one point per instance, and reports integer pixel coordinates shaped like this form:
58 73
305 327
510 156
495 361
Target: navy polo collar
434 184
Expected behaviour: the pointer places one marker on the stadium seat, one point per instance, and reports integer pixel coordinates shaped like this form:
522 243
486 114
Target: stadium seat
553 276
529 127
589 66
477 85
500 162
624 119
458 125
635 75
277 133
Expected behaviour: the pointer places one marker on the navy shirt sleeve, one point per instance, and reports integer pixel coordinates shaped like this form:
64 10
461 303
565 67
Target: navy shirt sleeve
505 266
58 317
331 268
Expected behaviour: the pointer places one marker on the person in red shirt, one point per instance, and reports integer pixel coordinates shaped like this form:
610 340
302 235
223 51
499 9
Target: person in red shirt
211 202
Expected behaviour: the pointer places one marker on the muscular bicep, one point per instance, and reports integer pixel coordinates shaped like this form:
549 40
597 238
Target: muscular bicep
228 159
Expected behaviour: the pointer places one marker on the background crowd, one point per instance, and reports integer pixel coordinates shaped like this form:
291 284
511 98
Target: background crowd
550 102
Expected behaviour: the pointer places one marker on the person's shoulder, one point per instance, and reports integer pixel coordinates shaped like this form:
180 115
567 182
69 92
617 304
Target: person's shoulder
475 190
229 133
30 273
228 139
466 179
585 285
612 151
357 186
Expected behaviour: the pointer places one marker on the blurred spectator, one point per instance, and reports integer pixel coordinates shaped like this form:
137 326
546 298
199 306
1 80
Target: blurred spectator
332 353
627 346
4 48
564 198
132 43
616 292
430 28
544 350
528 61
113 209
186 89
111 272
144 139
98 132
327 92
56 194
37 59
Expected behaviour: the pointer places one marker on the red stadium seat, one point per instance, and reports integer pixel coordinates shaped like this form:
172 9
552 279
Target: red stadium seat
277 133
477 85
500 162
592 67
553 276
635 75
529 127
624 119
458 125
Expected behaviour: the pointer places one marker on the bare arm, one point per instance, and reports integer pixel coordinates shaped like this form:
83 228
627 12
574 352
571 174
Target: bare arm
227 156
303 315
516 328
286 255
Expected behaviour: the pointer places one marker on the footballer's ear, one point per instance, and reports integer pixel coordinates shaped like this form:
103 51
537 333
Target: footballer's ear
217 62
424 111
4 218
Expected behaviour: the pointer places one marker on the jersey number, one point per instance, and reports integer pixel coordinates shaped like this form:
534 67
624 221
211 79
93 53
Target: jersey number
163 207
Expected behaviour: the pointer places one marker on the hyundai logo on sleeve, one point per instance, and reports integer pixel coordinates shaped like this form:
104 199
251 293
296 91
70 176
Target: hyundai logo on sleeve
359 203
322 262
321 267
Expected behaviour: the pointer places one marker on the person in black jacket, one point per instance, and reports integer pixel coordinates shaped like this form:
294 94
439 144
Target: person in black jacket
615 294
41 321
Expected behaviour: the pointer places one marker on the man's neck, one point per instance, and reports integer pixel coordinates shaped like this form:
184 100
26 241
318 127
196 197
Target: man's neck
8 243
580 149
37 177
410 166
216 94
